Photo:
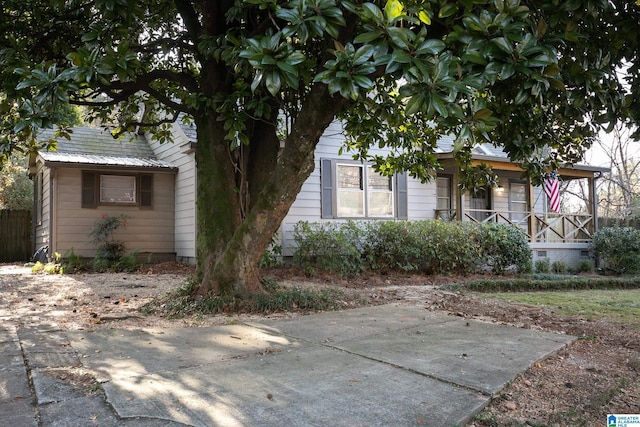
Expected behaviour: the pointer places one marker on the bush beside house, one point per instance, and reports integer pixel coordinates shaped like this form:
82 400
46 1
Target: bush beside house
432 247
618 248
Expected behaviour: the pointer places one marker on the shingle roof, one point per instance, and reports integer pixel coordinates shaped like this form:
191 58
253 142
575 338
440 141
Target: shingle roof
189 130
94 146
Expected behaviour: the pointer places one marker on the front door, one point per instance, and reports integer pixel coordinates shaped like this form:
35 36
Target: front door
480 204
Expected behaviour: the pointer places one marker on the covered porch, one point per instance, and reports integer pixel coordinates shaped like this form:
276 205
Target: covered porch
516 202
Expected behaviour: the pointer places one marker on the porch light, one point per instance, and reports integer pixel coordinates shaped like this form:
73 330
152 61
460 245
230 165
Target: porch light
499 188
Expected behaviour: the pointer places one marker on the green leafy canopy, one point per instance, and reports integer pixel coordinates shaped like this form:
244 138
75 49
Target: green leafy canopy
538 78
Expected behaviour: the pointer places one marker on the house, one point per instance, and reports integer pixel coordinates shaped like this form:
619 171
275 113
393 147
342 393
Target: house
92 175
339 189
336 191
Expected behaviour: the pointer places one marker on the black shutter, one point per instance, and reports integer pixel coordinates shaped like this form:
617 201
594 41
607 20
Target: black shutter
326 183
401 196
146 191
89 190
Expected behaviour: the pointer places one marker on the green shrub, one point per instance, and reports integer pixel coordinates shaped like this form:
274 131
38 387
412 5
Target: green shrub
585 266
549 282
448 247
110 254
101 234
100 265
559 267
72 263
505 246
334 247
390 245
273 255
128 263
435 247
543 265
619 248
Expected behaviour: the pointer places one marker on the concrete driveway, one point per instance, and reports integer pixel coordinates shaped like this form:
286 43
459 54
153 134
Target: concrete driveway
389 365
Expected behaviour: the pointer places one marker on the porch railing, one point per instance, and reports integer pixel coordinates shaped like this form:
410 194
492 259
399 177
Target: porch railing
544 228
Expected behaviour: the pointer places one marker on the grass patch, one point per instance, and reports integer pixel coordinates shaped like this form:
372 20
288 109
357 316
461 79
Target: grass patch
181 302
621 305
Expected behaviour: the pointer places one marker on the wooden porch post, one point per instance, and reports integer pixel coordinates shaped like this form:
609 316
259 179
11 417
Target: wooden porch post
459 196
532 210
593 200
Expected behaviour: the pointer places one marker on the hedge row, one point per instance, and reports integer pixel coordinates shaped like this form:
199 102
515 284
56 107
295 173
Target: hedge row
551 283
431 246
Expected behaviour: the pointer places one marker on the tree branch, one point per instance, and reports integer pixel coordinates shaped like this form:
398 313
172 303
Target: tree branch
185 80
141 123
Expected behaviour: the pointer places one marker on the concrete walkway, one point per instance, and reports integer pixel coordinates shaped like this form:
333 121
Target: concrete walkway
388 365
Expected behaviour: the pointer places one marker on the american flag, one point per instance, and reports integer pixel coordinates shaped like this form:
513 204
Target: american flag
552 190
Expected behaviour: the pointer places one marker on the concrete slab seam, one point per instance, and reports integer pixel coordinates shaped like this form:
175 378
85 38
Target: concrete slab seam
411 370
25 360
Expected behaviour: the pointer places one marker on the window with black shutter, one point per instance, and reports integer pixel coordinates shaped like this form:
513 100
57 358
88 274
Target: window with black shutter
89 190
116 189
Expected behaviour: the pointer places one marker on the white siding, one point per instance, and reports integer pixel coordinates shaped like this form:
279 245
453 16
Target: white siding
42 231
147 230
185 192
421 197
571 254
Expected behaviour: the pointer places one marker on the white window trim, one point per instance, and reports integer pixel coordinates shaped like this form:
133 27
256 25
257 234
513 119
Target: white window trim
365 191
512 202
448 197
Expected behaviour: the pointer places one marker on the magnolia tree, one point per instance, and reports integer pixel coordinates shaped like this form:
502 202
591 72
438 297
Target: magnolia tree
536 78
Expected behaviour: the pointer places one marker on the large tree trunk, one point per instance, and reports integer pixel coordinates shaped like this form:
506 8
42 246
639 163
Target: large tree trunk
231 257
217 206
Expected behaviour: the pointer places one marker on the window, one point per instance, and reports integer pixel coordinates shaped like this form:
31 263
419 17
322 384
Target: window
117 189
480 201
443 193
380 191
353 190
107 189
518 204
363 192
350 195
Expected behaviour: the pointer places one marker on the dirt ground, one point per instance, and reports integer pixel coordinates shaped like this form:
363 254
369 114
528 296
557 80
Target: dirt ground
597 374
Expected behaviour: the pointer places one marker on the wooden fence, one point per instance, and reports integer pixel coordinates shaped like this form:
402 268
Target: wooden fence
15 236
